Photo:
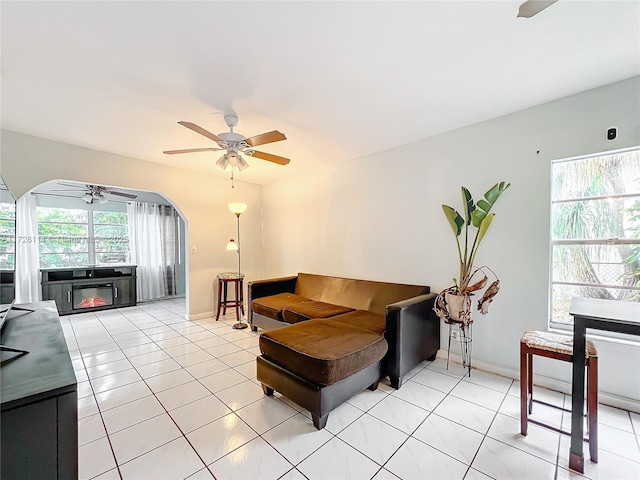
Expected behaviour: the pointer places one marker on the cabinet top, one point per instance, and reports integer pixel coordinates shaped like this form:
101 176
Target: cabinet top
89 267
45 371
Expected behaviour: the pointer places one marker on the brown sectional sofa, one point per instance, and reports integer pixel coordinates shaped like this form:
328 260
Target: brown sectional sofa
340 336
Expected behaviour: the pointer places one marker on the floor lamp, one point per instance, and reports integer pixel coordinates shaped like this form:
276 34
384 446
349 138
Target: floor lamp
238 209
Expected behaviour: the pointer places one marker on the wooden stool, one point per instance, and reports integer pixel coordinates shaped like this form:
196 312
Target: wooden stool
223 281
559 347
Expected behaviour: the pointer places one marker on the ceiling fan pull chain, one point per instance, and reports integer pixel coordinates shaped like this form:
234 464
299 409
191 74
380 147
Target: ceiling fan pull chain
232 184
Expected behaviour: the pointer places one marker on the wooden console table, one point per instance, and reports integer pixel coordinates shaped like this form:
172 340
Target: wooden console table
609 315
39 398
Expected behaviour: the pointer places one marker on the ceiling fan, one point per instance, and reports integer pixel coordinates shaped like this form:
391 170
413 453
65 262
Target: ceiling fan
533 7
234 144
94 193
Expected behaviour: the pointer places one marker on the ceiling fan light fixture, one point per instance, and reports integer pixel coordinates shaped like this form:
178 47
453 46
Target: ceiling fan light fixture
101 199
87 197
223 162
242 163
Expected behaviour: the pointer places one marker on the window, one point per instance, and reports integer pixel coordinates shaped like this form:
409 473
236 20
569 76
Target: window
75 237
595 230
111 237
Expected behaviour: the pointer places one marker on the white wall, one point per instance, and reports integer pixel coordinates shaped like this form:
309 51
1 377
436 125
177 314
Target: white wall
28 161
379 217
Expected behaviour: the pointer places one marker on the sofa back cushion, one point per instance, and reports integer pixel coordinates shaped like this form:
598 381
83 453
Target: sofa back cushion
357 294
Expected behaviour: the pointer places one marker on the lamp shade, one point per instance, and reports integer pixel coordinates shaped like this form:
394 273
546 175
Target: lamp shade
237 208
232 245
223 162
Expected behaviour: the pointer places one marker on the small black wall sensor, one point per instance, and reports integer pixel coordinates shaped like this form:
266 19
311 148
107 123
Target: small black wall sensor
612 133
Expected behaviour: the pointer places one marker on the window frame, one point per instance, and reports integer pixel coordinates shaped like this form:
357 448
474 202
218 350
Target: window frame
568 326
93 240
85 238
90 238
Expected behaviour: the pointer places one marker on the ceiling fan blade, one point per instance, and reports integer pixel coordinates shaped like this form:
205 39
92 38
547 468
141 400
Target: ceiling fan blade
201 131
269 137
191 150
533 7
121 194
271 158
83 187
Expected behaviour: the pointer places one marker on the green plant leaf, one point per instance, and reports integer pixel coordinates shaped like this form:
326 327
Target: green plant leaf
484 226
469 206
455 220
485 205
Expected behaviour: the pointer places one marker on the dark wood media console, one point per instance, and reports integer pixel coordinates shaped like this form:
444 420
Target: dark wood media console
39 416
7 287
86 289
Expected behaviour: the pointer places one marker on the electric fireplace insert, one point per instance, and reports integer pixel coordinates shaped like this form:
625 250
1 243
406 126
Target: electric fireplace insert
89 296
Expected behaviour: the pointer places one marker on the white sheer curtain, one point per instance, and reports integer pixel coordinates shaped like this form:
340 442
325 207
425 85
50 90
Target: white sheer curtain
145 243
27 277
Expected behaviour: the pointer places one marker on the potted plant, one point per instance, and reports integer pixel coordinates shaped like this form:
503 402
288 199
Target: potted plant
454 303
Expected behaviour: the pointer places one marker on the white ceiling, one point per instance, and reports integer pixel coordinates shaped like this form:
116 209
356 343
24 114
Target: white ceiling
340 79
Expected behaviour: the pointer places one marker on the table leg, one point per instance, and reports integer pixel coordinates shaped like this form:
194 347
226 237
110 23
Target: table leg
237 284
576 457
524 394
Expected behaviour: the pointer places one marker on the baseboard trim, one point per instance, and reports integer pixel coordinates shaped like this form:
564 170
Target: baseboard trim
200 316
561 386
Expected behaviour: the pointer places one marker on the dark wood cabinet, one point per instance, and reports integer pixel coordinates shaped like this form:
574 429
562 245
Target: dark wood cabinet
85 289
7 287
39 414
59 293
124 290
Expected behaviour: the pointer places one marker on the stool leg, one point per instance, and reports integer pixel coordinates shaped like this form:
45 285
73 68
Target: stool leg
524 388
530 381
224 303
237 302
592 407
219 299
449 348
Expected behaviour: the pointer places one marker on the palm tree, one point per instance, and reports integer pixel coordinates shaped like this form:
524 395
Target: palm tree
596 225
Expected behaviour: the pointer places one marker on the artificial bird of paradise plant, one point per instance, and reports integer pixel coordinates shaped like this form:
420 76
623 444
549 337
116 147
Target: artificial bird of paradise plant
454 303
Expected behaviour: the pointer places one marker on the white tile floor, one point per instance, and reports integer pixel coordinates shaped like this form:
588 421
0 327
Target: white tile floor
164 398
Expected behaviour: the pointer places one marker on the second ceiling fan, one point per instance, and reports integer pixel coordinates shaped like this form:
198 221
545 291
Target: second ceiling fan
234 144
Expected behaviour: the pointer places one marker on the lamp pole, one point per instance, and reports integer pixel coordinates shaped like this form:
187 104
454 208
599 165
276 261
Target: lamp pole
238 209
238 222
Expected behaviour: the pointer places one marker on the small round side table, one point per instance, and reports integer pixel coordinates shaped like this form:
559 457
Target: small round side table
224 279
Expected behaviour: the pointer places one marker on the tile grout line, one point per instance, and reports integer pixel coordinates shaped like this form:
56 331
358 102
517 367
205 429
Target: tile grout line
167 411
113 453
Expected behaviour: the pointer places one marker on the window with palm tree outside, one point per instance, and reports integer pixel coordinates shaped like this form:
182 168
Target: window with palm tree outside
595 230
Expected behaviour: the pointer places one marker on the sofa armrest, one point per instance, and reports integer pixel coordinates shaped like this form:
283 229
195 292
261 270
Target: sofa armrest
267 287
413 335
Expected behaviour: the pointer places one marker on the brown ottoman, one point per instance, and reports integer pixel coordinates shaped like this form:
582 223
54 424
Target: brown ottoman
320 364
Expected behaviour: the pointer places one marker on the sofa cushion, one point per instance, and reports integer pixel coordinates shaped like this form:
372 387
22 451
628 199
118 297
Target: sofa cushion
323 351
357 294
273 305
363 319
306 310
